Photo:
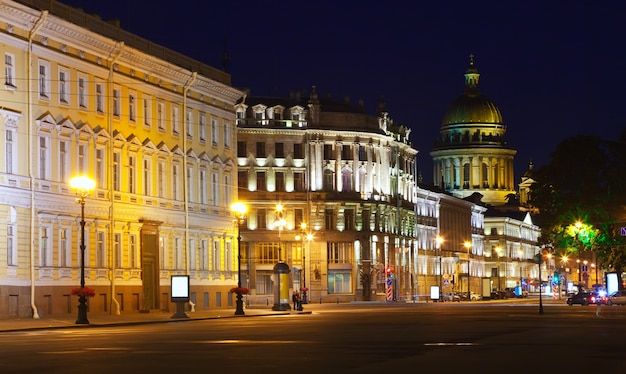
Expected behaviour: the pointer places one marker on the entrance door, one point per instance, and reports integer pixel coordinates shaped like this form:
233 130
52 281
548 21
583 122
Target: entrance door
150 264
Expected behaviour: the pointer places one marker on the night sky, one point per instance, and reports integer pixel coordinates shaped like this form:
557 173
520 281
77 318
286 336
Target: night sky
554 68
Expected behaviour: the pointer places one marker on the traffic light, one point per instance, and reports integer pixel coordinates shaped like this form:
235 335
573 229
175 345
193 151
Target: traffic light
556 278
389 272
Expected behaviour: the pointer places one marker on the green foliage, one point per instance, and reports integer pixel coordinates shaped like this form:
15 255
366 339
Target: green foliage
585 182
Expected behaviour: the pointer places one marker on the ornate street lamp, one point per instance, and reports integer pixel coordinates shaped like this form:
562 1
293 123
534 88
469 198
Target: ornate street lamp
83 186
240 209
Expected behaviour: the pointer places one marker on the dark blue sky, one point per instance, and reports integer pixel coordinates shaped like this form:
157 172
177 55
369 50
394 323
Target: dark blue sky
554 68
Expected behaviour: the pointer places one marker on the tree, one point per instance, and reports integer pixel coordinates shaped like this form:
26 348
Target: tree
585 181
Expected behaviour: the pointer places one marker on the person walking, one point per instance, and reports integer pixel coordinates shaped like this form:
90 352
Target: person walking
295 298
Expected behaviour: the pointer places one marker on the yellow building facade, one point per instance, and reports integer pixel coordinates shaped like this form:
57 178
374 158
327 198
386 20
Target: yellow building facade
154 129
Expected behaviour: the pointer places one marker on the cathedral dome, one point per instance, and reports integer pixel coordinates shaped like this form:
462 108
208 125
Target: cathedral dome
472 106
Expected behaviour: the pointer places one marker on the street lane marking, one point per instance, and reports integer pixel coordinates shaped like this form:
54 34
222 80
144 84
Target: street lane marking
449 344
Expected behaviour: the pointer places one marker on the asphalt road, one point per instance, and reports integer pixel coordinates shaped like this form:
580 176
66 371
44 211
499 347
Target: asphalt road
353 338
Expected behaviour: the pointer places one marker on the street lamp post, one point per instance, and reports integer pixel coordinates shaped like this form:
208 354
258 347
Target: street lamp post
303 236
83 186
240 209
468 245
439 240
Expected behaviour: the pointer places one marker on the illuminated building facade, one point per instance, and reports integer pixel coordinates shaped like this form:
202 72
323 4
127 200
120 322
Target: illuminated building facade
153 128
332 192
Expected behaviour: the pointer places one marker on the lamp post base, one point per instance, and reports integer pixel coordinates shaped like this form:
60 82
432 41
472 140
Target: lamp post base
82 311
239 310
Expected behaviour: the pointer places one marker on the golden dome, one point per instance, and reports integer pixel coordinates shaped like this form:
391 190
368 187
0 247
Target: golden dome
472 106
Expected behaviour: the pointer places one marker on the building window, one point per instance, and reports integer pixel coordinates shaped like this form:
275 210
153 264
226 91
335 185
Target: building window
81 158
82 92
161 178
117 102
117 157
64 86
346 181
298 181
362 153
160 116
215 188
202 127
132 251
241 118
45 249
147 176
193 264
101 260
188 124
175 120
65 249
11 244
348 216
279 150
190 184
9 151
100 168
280 181
330 220
227 188
9 70
227 135
329 180
132 165
132 106
241 149
340 252
328 152
99 98
117 247
44 157
267 252
261 219
260 149
339 281
217 256
346 152
297 151
264 284
204 255
202 184
214 131
260 181
242 180
44 80
147 111
178 254
175 182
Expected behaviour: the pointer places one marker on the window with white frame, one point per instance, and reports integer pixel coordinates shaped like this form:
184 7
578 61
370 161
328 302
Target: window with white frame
161 178
147 176
339 281
64 160
44 157
9 71
12 244
147 111
132 106
204 254
45 247
214 131
227 135
117 102
82 158
83 89
188 124
132 165
215 189
202 186
117 248
161 116
178 253
100 249
65 247
117 169
226 188
193 264
217 256
100 167
175 119
44 80
175 182
132 251
202 127
99 97
228 255
10 147
64 86
190 183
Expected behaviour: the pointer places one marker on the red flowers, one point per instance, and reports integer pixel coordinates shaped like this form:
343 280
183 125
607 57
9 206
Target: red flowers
304 289
239 290
83 292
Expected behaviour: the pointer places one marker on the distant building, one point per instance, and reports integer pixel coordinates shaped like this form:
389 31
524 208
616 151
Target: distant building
153 128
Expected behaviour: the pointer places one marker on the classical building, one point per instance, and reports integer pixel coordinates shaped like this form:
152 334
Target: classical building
472 161
156 132
332 193
471 154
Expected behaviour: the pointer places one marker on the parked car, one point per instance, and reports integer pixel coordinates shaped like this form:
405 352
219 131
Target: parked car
499 295
599 298
474 296
617 298
451 296
582 298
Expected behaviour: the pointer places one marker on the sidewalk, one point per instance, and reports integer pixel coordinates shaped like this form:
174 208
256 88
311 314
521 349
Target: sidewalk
131 318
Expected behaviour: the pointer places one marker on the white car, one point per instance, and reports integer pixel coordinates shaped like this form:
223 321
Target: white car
618 298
